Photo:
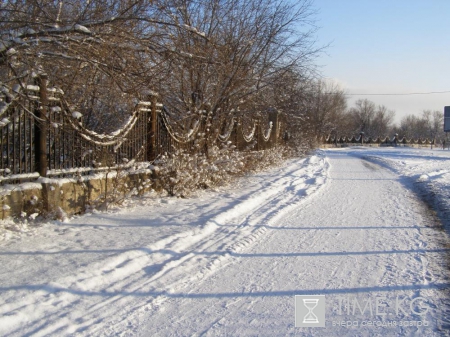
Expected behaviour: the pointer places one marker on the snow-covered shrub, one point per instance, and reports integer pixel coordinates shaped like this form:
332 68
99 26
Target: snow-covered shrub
181 172
262 160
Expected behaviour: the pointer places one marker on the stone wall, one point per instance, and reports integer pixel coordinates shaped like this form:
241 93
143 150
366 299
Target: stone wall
53 197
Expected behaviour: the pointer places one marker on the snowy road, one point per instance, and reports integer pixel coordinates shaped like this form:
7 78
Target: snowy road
362 236
230 263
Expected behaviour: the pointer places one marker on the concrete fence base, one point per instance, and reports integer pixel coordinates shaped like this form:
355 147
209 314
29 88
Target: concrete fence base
53 197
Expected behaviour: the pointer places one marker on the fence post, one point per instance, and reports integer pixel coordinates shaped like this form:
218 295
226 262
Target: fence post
153 125
273 117
40 127
258 131
241 141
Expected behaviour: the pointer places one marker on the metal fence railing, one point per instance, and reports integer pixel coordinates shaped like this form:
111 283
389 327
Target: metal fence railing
41 136
386 141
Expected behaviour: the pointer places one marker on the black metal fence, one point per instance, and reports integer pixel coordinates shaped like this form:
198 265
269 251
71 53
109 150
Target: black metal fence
41 136
386 141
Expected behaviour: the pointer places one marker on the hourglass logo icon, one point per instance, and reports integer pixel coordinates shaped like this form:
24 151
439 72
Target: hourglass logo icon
310 311
310 304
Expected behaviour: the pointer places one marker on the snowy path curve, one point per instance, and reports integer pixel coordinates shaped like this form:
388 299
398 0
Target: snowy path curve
363 236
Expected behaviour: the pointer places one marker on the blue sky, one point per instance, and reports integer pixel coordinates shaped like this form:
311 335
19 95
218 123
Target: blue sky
388 46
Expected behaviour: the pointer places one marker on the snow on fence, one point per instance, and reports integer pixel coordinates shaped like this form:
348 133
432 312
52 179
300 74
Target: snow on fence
41 136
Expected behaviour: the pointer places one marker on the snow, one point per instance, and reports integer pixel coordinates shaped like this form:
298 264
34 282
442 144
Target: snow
114 138
266 134
7 188
82 29
33 216
56 90
228 131
194 30
33 87
5 121
248 138
77 114
3 107
425 170
345 223
11 52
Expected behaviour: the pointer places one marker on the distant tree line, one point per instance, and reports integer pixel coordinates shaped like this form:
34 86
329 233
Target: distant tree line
430 125
325 112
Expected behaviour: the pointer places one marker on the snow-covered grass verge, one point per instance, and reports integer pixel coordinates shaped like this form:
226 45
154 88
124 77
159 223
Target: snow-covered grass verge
426 171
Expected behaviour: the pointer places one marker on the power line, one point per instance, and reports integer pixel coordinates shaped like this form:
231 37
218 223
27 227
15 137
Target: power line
405 94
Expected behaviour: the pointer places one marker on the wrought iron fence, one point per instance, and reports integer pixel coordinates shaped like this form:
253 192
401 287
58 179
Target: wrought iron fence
386 141
42 136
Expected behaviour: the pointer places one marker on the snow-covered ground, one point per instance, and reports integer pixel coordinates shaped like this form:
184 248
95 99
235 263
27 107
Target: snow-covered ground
427 172
229 262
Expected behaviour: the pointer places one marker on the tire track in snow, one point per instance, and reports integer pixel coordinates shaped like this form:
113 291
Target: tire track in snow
99 291
432 204
345 243
245 233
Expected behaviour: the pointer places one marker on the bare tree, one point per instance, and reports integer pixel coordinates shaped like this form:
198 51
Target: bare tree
232 53
381 125
434 121
313 108
101 54
199 55
363 114
429 125
412 127
325 109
